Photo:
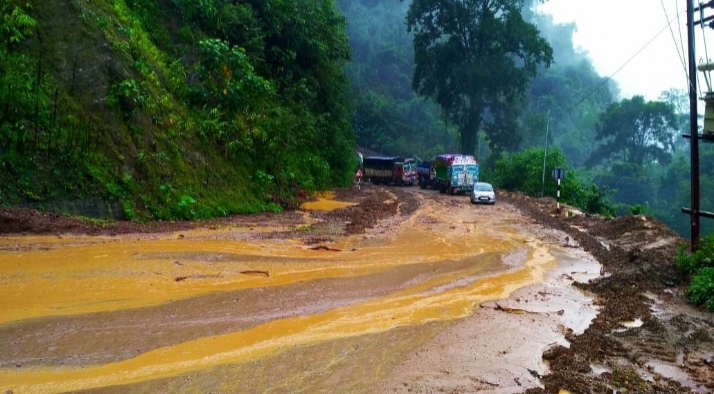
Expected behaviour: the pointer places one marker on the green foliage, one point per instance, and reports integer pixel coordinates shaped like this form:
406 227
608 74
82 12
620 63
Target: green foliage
702 258
389 118
638 209
524 172
636 131
570 92
701 290
553 95
178 114
592 199
701 265
16 24
475 60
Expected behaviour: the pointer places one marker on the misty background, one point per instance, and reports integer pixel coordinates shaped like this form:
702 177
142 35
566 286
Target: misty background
570 108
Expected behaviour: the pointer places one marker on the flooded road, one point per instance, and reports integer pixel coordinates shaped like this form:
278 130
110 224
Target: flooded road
217 310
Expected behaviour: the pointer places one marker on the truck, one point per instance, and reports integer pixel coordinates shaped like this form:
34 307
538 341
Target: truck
390 169
426 174
450 172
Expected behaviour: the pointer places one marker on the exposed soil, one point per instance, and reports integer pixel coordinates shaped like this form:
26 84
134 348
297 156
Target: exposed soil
638 258
640 281
371 209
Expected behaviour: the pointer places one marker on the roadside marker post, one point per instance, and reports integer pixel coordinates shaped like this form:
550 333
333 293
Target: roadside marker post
558 174
359 176
557 200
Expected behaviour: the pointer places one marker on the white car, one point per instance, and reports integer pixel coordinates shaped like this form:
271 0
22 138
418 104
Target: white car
483 194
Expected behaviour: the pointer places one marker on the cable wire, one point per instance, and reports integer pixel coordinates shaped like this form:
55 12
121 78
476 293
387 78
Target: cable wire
680 55
606 80
707 74
681 41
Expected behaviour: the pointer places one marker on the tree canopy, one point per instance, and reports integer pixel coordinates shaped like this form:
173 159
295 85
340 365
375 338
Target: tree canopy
475 59
636 131
389 117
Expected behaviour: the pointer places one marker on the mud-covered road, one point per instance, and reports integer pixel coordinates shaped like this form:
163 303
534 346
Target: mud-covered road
376 290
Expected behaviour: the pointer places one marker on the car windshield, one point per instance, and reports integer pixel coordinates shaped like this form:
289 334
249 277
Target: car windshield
483 187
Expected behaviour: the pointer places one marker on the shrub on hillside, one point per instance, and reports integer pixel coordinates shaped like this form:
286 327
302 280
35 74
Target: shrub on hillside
700 265
525 172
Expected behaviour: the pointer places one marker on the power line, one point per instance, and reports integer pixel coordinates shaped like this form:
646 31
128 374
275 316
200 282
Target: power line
674 39
606 80
681 43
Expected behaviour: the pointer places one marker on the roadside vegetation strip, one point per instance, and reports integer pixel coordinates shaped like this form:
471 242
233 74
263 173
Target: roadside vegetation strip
700 265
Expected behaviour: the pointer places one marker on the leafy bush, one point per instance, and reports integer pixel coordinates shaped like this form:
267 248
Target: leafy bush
190 111
524 172
638 209
702 258
701 290
701 265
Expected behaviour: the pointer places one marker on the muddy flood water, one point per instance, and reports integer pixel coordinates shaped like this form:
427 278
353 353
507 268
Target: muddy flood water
219 310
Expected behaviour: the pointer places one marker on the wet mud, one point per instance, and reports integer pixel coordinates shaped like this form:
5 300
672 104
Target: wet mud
377 290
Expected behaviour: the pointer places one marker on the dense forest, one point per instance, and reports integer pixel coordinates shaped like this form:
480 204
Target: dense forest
190 109
178 109
622 154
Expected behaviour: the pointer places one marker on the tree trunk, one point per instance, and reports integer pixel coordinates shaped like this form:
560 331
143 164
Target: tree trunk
468 135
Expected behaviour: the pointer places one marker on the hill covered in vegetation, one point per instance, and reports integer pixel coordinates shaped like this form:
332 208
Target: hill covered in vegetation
177 109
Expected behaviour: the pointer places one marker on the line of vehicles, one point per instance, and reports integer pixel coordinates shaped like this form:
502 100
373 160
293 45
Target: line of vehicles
450 173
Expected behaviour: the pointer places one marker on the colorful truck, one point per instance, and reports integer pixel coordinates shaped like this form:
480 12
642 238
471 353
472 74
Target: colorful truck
387 170
451 172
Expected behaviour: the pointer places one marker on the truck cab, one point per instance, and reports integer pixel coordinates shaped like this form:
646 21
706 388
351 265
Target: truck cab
409 172
456 173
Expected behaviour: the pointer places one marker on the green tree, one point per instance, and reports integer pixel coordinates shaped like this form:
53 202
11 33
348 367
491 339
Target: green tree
475 59
679 98
389 117
636 131
15 24
523 172
575 95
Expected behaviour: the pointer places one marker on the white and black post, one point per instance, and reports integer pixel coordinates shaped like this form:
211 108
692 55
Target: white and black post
557 200
558 174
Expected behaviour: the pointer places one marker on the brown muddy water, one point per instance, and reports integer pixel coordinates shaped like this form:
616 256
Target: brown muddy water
187 313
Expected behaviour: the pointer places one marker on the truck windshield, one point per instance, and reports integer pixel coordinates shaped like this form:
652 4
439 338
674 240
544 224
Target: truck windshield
457 168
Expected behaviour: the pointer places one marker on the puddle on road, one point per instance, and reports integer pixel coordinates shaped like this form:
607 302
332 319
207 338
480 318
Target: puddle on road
632 324
325 202
134 274
599 369
119 275
675 373
411 306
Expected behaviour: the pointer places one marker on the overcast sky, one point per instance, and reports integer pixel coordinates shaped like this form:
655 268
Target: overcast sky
613 31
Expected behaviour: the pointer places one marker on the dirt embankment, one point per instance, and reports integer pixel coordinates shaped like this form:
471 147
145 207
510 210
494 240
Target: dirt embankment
673 345
374 204
640 281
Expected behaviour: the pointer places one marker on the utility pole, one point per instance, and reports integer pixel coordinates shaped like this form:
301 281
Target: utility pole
545 152
693 128
695 212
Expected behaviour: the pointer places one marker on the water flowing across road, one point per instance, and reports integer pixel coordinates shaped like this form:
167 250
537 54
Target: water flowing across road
260 314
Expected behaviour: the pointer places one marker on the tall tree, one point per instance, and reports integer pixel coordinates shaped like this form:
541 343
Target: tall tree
475 58
679 98
636 131
389 117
